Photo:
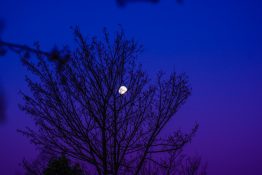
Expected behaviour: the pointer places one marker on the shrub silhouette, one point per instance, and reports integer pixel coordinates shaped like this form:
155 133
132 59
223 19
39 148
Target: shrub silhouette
61 166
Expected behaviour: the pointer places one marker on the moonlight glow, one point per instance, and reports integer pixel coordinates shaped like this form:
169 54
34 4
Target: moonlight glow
122 90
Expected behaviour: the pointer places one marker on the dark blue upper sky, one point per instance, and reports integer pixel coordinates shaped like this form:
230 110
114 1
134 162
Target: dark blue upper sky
218 43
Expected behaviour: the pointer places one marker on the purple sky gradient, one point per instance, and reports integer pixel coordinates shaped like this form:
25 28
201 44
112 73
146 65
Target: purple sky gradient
218 43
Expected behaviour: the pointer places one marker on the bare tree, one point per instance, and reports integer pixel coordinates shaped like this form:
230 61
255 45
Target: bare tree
176 164
79 111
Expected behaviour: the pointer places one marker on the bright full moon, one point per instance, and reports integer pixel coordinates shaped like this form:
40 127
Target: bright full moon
122 90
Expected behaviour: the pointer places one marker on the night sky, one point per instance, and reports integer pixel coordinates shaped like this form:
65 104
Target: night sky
217 43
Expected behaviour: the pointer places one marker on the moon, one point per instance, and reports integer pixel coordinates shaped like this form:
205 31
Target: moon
122 90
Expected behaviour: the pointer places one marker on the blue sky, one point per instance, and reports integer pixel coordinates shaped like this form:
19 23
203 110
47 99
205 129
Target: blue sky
218 43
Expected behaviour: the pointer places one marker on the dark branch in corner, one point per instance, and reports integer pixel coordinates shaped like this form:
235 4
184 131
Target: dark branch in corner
59 57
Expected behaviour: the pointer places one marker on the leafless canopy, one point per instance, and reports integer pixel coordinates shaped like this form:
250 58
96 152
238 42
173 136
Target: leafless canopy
79 112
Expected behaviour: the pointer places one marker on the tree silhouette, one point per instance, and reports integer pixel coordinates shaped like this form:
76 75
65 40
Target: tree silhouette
55 166
79 112
60 166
